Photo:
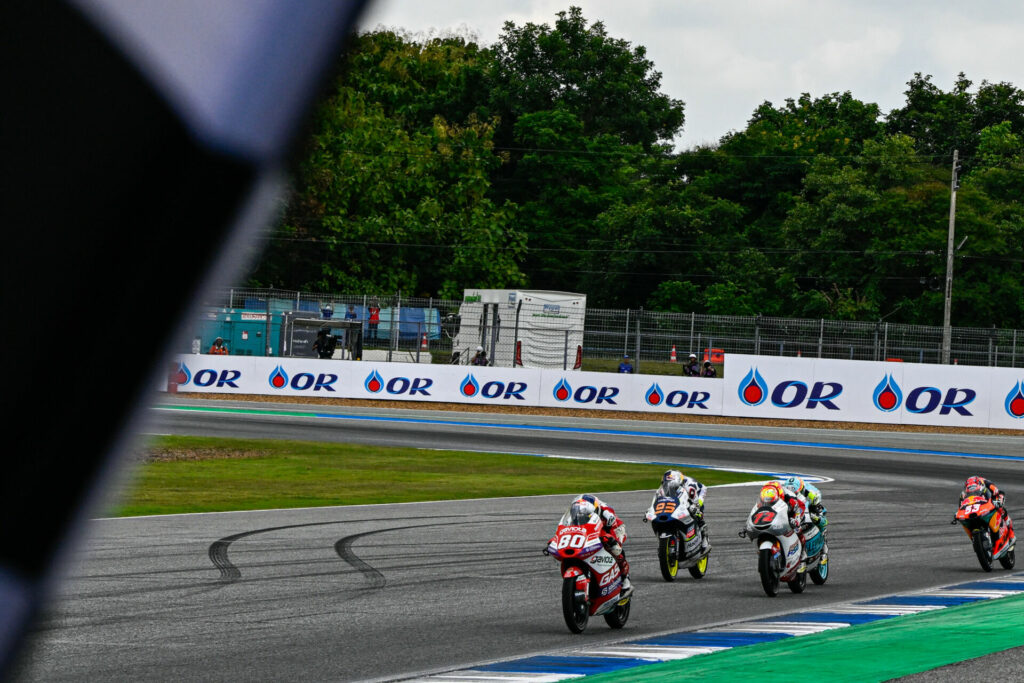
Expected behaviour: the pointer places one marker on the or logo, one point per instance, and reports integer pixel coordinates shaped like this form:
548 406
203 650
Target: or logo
278 378
469 386
302 381
563 392
753 389
654 395
182 376
1015 401
887 395
585 394
374 382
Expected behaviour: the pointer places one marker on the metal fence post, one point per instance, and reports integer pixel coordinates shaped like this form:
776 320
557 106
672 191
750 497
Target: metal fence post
625 337
821 336
757 334
565 353
1013 354
419 342
885 342
692 316
637 353
515 333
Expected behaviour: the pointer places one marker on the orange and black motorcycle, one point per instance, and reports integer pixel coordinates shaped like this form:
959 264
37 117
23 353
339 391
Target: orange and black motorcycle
990 529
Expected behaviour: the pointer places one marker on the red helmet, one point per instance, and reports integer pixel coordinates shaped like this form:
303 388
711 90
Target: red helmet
974 486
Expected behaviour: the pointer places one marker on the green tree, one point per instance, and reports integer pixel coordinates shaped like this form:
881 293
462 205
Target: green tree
387 199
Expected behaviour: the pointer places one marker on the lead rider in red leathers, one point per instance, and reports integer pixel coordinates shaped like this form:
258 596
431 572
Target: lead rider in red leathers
613 529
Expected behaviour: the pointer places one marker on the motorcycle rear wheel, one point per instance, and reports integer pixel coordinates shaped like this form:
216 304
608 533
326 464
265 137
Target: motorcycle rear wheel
819 574
798 583
574 609
769 579
1008 560
698 570
668 558
617 617
983 553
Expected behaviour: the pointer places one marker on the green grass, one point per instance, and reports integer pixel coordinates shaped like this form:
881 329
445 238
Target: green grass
198 474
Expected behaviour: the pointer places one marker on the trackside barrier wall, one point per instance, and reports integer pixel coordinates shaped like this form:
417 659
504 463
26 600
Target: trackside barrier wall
754 386
865 391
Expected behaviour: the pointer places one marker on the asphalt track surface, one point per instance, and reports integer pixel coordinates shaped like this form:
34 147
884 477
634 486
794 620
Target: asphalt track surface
400 591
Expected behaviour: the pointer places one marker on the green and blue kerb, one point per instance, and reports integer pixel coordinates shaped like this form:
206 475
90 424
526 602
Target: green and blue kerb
867 640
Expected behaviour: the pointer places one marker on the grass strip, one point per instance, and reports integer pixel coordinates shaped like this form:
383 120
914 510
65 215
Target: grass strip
878 651
201 474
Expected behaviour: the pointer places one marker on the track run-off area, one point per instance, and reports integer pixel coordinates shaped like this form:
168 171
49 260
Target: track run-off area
385 592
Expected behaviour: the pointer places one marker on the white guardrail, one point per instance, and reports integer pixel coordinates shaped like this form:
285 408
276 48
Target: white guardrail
754 386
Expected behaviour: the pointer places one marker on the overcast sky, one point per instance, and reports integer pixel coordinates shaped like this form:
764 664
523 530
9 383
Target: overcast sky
725 57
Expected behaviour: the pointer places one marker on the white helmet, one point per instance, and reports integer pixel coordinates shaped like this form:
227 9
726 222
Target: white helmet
672 483
582 509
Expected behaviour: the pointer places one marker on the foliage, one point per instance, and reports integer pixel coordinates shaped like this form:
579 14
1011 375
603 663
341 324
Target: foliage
544 161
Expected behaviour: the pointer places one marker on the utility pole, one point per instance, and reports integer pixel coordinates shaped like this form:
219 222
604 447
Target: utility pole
946 332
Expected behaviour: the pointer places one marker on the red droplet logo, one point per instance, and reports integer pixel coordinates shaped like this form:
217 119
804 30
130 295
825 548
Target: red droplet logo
374 382
278 378
562 390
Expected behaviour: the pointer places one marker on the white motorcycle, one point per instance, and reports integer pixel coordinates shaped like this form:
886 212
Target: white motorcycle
780 555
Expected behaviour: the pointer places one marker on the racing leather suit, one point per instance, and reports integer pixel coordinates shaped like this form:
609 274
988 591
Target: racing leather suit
613 534
998 498
696 492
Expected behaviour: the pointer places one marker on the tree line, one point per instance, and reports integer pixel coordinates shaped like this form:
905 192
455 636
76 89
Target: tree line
545 161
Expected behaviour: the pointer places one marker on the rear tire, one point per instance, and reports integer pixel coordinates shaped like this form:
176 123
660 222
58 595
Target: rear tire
798 584
698 570
1008 560
984 555
769 579
819 575
617 617
574 609
668 557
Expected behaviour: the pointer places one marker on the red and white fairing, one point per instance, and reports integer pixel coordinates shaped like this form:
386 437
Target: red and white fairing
583 556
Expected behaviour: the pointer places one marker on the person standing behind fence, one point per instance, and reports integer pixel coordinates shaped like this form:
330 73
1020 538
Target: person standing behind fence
350 314
480 358
692 367
709 370
374 321
626 366
219 348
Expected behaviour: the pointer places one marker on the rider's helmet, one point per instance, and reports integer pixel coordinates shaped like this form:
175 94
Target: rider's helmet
974 486
794 484
672 483
582 509
770 493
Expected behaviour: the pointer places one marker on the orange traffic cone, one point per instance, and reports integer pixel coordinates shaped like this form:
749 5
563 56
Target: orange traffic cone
672 357
423 342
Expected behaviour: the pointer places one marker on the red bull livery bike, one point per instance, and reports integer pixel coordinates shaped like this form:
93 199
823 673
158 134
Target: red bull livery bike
989 526
591 579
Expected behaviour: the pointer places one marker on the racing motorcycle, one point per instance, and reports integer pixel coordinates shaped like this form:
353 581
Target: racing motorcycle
680 542
976 515
779 549
591 579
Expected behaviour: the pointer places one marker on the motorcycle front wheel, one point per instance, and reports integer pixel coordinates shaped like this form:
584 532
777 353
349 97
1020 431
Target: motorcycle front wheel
618 616
983 553
769 579
574 606
668 557
1008 560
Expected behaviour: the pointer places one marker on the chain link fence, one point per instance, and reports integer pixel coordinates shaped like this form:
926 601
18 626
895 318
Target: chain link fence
417 329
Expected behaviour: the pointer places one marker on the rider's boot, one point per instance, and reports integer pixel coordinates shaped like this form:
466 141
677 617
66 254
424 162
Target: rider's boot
624 570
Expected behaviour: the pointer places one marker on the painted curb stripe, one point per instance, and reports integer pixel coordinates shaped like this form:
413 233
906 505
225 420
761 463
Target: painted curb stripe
685 644
597 432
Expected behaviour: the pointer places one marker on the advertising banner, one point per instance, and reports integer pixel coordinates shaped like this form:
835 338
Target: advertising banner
754 386
880 392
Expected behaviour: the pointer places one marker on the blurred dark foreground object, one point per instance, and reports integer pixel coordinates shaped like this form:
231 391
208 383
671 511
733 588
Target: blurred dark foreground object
143 144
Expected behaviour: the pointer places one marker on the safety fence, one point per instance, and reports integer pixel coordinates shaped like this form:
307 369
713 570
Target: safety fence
446 331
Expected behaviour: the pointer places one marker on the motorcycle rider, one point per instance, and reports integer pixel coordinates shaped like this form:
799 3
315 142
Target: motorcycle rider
979 486
613 530
813 497
772 492
675 484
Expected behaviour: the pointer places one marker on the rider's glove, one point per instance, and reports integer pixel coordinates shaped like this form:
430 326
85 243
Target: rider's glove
696 512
